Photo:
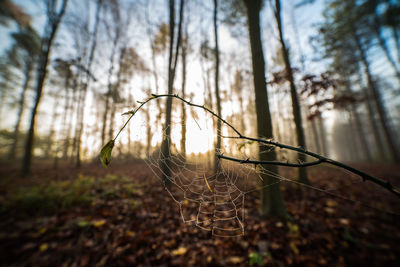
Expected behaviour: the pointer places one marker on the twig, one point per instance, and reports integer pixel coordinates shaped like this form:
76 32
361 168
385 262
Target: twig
320 159
279 163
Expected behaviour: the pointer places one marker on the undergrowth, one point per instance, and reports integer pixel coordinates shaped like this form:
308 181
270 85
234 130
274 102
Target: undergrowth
61 195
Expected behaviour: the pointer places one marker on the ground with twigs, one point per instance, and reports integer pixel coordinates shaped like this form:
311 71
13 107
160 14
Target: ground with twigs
122 216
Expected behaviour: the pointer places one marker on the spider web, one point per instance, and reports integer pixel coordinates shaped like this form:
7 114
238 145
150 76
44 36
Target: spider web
212 201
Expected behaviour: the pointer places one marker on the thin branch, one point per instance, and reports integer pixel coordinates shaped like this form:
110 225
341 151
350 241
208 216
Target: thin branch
279 163
320 159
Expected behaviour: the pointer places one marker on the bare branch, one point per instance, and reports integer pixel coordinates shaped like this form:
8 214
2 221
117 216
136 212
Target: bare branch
279 163
320 159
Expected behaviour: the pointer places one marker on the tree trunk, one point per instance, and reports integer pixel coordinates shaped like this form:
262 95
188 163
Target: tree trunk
154 71
72 107
21 106
383 44
65 116
183 106
148 132
302 172
109 93
166 143
44 55
374 126
86 84
271 196
397 41
383 117
50 139
359 129
322 134
217 163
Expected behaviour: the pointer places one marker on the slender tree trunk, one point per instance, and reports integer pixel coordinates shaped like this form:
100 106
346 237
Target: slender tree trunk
166 144
154 71
302 172
50 139
148 132
397 42
183 106
21 106
109 93
383 44
359 129
315 135
374 126
322 134
217 163
44 55
383 117
87 83
72 107
111 127
65 116
271 196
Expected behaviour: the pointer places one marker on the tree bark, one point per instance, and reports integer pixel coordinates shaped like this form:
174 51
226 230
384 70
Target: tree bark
183 106
359 129
271 196
166 144
217 163
383 117
302 172
87 82
383 44
44 55
21 106
66 108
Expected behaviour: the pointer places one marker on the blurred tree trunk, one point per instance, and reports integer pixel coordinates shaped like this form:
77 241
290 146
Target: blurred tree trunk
21 106
69 148
358 126
67 106
302 172
382 114
86 84
148 131
183 88
53 21
322 134
397 42
374 126
108 95
271 196
166 143
154 71
315 135
50 139
377 27
217 163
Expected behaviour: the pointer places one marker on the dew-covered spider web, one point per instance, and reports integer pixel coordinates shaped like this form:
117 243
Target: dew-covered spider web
211 199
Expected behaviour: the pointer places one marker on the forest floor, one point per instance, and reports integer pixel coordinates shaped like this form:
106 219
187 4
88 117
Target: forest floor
122 216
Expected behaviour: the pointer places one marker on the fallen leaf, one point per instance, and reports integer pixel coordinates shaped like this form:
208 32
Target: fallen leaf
42 230
235 259
294 248
331 203
180 251
83 224
99 223
43 247
130 233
